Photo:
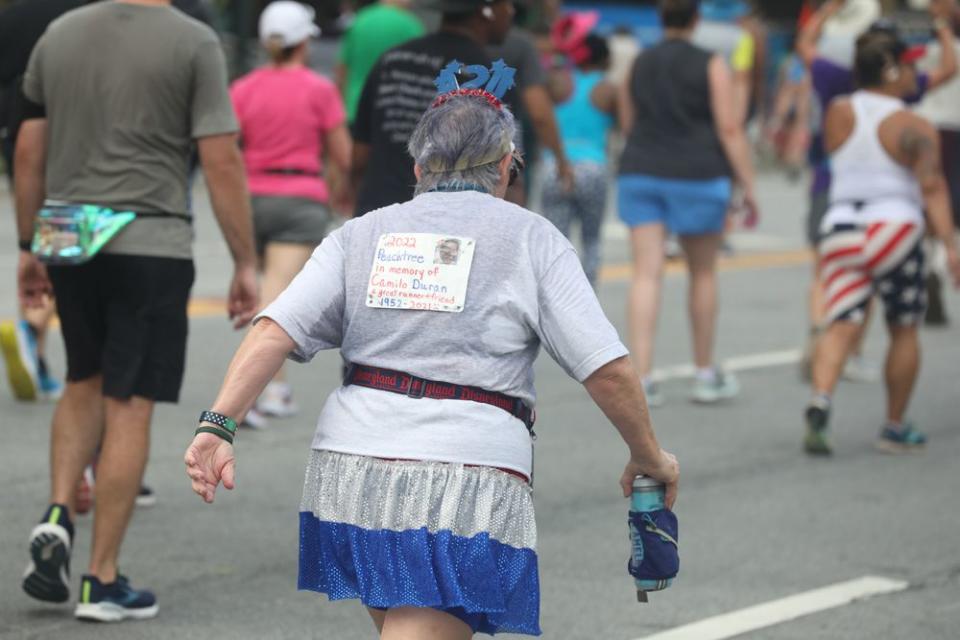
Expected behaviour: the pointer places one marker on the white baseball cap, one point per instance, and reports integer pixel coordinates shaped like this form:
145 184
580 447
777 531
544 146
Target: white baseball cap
288 20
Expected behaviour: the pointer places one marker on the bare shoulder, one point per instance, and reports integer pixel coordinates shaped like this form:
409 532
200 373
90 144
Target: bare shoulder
908 137
604 96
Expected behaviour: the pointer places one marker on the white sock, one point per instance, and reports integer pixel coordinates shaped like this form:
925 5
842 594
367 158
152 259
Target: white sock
707 374
821 401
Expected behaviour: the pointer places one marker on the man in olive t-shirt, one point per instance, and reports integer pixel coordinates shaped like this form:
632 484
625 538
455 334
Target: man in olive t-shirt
116 93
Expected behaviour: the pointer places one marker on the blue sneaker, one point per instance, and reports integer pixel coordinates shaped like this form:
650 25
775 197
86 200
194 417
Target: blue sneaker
19 347
50 388
114 602
904 440
47 577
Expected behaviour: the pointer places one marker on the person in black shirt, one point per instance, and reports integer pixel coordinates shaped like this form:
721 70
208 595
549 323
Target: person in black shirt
21 25
22 341
400 88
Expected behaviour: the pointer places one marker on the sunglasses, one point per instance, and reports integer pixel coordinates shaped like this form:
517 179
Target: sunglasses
517 165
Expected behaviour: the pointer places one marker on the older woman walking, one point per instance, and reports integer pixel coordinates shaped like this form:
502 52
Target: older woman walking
685 143
417 500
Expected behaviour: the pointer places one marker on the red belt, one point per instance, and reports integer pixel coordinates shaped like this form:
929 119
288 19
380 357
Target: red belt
415 387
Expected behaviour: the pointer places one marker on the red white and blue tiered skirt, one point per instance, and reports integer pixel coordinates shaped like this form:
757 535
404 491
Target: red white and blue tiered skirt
395 533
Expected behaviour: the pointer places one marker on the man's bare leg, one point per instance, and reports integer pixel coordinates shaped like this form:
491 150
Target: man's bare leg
77 429
123 458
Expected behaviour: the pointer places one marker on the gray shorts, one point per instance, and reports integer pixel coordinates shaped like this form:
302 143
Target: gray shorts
288 219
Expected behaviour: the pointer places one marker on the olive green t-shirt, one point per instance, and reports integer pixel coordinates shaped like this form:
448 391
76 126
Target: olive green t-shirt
127 89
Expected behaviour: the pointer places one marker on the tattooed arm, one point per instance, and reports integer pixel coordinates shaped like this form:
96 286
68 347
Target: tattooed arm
918 146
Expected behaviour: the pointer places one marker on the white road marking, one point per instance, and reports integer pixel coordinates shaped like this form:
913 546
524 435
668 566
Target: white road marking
749 362
735 623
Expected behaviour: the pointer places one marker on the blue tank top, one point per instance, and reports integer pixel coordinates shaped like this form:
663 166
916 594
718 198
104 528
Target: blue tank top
583 127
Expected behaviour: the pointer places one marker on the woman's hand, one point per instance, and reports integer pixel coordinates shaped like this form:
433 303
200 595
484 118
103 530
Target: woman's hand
667 471
209 461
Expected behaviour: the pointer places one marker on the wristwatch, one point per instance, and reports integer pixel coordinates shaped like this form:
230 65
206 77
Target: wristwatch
25 245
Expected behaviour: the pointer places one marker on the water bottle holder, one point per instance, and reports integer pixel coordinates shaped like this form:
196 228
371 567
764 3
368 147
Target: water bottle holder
654 537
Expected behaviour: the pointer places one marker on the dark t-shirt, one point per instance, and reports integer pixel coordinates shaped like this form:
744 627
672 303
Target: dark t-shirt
397 92
21 25
674 135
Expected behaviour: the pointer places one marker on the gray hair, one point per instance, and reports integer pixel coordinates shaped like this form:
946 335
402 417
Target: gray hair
461 141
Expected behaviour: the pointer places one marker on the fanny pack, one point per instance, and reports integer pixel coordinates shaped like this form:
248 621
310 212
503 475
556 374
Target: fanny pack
71 234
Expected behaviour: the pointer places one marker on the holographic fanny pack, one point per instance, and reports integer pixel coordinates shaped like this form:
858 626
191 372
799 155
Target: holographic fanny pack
71 234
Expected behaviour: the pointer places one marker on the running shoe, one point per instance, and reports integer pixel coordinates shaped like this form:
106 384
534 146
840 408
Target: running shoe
115 601
857 369
19 346
47 577
904 440
146 498
277 401
723 386
655 397
817 418
255 420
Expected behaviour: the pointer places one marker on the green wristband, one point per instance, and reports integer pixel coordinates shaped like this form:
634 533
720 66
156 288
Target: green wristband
220 433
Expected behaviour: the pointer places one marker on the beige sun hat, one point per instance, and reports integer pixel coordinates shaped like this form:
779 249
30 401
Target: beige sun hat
853 18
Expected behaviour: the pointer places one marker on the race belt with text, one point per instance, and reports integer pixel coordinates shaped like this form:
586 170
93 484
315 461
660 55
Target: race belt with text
415 387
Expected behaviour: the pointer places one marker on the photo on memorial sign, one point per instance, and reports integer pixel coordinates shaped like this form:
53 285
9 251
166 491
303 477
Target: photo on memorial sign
448 251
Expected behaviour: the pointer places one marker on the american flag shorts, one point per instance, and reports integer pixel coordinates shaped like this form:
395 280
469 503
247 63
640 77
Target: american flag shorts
884 258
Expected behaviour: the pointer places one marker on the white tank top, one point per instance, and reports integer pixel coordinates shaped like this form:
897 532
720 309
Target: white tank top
868 185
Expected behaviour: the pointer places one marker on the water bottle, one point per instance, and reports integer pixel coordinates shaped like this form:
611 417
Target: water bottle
648 495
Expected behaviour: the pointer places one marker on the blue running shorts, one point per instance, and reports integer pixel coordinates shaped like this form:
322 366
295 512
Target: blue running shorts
684 207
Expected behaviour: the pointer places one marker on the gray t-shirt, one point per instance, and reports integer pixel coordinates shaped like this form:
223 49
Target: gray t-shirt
127 88
526 288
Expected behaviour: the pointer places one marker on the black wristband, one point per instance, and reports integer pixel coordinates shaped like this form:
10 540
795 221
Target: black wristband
25 245
222 421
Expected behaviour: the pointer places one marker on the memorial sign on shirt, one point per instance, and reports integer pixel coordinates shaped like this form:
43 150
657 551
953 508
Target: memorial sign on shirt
421 272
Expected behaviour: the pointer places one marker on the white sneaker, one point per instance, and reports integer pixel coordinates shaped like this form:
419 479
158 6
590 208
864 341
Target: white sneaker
858 369
723 386
255 420
277 401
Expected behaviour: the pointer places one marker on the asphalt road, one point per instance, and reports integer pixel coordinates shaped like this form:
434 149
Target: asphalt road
759 521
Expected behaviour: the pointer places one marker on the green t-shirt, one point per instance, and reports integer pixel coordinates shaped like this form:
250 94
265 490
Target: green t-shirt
376 29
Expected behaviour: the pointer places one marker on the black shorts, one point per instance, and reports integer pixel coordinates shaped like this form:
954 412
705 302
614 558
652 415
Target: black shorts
125 317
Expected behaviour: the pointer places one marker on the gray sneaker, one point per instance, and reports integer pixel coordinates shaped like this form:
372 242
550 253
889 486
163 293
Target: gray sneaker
724 386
